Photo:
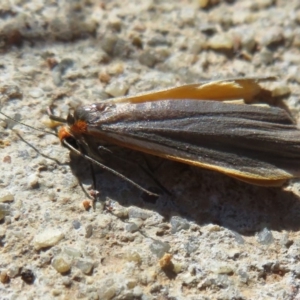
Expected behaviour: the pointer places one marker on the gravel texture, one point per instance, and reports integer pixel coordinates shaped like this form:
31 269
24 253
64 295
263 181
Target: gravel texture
215 237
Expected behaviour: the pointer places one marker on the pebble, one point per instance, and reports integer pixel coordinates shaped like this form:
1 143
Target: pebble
159 248
33 181
117 88
223 268
115 23
281 90
13 271
107 289
47 238
187 16
72 252
265 237
138 213
88 231
27 276
4 210
243 276
133 255
131 227
61 264
4 278
6 197
178 224
221 41
158 40
86 267
36 93
202 3
108 43
248 42
147 58
266 56
76 224
273 35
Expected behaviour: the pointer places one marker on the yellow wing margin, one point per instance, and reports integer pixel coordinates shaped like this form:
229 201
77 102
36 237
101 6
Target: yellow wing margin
218 90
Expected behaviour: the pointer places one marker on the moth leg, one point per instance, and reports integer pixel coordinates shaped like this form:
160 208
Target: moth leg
148 172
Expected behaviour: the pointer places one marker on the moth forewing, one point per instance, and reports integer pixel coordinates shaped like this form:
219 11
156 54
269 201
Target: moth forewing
217 90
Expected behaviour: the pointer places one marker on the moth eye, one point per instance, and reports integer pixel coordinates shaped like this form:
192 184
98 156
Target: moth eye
70 119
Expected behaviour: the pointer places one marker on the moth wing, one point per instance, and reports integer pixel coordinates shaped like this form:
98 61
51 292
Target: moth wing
259 145
246 89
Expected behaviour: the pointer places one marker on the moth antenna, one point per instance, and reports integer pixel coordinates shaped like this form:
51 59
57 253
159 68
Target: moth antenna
104 167
54 117
26 125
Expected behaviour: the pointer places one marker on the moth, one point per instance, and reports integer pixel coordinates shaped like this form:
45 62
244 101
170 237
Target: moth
217 125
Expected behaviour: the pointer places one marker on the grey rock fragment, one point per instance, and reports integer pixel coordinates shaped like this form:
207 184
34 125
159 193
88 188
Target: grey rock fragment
178 224
86 267
265 237
159 248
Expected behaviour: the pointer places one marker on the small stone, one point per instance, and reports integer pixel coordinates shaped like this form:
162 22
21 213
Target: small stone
221 41
3 124
27 276
72 252
13 271
88 231
6 197
159 248
33 181
208 28
121 48
138 213
265 237
147 58
56 292
107 289
7 159
108 43
4 210
261 4
243 276
47 238
61 264
223 269
178 224
76 224
266 56
158 40
104 77
4 278
36 93
238 238
202 3
134 256
121 212
273 35
187 16
115 23
86 267
166 261
117 88
131 227
67 282
206 283
281 90
248 42
115 68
